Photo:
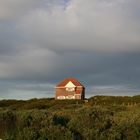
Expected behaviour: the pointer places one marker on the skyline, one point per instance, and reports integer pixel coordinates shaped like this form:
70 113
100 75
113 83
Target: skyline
45 41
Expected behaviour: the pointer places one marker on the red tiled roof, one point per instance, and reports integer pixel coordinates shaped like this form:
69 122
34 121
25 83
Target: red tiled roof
73 80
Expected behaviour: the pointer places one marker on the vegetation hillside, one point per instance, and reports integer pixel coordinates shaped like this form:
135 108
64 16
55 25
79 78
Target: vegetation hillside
97 118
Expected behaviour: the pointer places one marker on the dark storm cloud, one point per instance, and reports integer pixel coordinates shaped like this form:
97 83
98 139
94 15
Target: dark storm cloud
102 68
44 41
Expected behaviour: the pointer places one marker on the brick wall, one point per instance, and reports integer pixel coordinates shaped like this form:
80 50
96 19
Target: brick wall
79 93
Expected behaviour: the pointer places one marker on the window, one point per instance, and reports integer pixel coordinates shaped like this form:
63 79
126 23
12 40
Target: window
70 89
61 97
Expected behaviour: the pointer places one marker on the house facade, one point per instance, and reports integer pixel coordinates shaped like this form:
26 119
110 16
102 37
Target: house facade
70 88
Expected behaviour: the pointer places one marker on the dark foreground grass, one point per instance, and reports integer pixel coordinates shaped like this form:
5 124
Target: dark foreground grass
101 118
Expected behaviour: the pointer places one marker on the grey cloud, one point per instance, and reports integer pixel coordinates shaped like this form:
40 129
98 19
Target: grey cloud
48 40
11 9
30 63
86 26
16 9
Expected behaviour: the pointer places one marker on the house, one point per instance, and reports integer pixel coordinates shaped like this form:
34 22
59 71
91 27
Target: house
70 88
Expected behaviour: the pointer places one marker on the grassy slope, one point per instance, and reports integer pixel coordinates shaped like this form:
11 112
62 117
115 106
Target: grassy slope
101 118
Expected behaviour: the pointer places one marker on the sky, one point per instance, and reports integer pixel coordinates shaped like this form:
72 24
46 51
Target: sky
44 41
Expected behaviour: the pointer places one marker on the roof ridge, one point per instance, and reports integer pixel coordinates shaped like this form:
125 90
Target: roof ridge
72 79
